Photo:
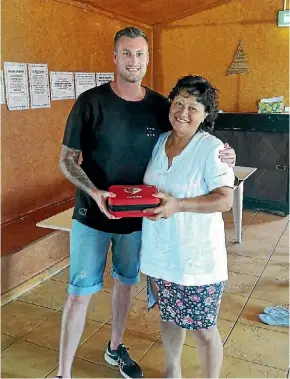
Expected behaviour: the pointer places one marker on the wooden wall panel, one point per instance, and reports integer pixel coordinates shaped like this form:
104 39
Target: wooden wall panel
68 39
184 51
206 43
269 63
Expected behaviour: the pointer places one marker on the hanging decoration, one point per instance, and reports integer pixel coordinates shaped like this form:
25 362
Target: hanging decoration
240 62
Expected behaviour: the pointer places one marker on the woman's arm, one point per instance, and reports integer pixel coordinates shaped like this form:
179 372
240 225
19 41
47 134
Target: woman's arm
218 200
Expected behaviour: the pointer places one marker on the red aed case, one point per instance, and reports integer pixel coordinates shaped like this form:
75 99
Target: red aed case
131 200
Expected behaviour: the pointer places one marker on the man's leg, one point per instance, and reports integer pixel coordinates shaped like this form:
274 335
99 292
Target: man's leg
88 254
121 304
126 263
73 322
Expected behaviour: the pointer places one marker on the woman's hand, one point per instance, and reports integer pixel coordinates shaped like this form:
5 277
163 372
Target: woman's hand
168 206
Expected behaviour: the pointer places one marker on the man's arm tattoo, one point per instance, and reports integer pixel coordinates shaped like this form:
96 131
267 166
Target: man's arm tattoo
72 170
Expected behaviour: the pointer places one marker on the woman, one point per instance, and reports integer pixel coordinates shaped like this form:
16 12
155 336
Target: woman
183 246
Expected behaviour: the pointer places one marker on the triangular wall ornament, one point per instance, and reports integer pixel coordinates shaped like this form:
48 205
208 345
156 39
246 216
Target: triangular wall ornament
240 62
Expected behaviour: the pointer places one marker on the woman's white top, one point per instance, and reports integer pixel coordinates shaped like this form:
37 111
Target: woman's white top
187 248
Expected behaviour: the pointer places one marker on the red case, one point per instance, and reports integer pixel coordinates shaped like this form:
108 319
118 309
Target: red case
131 200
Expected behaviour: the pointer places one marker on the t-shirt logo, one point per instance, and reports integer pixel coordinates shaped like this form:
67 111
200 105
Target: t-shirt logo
83 211
150 132
132 190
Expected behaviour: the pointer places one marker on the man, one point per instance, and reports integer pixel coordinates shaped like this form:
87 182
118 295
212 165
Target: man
115 127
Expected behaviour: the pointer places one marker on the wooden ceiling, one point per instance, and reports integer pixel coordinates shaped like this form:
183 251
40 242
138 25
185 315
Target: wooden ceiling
150 12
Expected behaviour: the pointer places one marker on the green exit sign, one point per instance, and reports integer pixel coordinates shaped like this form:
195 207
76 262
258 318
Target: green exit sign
284 18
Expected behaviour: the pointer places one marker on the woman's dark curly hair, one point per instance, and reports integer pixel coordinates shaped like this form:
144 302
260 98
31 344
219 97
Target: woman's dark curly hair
205 93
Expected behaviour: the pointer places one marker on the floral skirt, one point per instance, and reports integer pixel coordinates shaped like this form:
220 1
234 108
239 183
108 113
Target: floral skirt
190 307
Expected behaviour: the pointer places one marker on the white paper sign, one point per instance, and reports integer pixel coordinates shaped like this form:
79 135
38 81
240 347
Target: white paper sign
16 83
39 85
104 77
2 100
84 81
62 85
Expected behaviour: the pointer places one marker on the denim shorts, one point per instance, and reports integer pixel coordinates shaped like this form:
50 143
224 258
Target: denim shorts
88 256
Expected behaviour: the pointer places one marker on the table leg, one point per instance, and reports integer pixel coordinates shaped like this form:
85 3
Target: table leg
238 210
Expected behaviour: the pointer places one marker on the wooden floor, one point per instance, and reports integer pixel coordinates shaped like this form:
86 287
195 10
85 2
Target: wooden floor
258 277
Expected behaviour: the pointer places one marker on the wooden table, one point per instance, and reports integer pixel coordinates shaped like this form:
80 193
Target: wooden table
63 220
60 221
242 173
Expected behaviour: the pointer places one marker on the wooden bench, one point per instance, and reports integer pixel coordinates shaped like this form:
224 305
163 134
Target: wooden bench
21 232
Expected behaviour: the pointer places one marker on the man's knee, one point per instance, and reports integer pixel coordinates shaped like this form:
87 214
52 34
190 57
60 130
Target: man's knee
123 287
78 302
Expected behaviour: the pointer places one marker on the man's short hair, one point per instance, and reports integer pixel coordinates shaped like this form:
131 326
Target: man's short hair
131 32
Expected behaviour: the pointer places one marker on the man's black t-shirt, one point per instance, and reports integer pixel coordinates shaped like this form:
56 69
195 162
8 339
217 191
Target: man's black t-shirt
116 138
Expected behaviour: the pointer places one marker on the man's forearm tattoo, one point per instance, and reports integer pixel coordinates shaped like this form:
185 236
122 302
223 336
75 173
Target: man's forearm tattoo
72 170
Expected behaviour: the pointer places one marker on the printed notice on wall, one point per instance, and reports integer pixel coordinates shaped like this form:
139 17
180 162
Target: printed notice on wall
2 100
84 81
16 83
62 85
39 85
104 77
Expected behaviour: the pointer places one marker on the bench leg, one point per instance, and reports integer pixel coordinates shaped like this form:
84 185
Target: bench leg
238 210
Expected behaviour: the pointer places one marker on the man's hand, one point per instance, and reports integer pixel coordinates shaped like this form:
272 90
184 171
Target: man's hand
100 198
69 164
168 206
228 155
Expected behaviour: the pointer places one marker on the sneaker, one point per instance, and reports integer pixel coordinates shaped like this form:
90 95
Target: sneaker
120 357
